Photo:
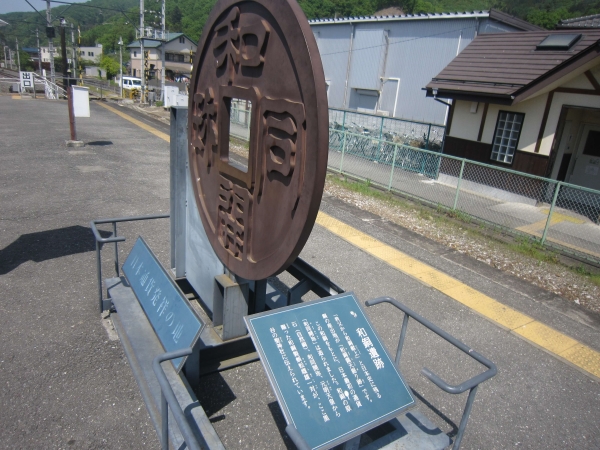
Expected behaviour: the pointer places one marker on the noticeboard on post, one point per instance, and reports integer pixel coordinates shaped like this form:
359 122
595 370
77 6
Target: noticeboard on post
173 319
330 372
27 80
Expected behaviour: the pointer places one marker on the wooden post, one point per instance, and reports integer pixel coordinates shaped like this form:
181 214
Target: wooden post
71 113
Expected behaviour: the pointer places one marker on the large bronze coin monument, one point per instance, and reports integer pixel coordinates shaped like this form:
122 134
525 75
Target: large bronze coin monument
258 71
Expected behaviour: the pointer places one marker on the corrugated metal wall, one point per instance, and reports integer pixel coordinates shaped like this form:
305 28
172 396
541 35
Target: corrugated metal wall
334 43
368 49
417 51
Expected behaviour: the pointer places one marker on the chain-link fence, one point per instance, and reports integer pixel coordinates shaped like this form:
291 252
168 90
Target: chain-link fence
551 212
414 134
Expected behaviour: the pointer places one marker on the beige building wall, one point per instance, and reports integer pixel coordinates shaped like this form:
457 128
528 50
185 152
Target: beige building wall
465 125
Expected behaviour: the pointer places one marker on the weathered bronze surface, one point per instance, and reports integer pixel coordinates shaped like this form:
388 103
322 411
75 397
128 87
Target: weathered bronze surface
263 51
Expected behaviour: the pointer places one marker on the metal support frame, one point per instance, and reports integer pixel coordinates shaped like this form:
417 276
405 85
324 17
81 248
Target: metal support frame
309 279
105 304
470 385
168 399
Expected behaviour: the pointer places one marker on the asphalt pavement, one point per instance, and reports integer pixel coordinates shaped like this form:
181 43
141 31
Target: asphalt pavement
65 382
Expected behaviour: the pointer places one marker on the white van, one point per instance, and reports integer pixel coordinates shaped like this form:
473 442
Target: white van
130 82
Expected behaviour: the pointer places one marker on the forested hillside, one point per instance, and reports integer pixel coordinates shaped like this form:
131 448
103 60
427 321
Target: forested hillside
103 21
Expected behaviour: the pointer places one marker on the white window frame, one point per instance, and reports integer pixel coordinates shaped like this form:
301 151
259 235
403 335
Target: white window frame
506 136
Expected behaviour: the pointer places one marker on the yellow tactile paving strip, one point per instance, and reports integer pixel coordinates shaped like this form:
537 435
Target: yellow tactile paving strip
139 123
559 345
554 342
536 229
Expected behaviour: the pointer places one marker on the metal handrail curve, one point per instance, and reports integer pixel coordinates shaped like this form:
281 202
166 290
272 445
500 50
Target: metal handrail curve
168 399
100 241
451 389
470 385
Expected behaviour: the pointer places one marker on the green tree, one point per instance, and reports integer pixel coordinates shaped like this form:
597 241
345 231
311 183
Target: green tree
547 19
174 17
26 62
108 63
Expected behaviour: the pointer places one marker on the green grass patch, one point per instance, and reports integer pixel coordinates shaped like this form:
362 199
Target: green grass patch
585 272
365 188
533 249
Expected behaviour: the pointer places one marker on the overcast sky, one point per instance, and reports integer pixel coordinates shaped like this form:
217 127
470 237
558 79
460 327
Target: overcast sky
7 6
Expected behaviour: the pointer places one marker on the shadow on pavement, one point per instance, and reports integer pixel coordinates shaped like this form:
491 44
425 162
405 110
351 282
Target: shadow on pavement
45 245
100 143
214 394
437 412
281 424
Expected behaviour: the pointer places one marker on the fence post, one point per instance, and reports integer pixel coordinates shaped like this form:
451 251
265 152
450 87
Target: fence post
462 168
380 136
428 136
343 148
393 165
344 122
558 185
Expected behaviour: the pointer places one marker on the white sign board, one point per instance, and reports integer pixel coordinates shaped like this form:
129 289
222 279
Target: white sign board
27 81
81 101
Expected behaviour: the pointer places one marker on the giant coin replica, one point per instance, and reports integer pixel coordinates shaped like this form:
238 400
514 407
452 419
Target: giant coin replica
258 218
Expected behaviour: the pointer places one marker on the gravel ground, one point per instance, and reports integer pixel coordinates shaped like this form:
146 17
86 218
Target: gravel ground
553 277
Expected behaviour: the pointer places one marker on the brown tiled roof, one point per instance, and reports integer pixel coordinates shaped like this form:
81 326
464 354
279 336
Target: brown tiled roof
512 20
506 66
580 22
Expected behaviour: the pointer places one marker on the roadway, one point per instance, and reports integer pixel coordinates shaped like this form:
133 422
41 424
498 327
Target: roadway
65 380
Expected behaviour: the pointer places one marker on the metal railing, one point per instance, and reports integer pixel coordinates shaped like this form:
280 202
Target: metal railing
360 125
168 399
114 239
470 385
545 211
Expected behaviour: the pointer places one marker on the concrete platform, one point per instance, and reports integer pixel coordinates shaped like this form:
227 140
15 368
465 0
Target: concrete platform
67 383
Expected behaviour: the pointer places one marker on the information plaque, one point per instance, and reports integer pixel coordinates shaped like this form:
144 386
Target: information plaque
173 319
331 374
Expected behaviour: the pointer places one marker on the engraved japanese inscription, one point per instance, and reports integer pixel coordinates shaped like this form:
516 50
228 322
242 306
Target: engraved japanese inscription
258 205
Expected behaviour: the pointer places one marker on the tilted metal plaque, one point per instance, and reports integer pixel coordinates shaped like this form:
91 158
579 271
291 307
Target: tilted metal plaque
330 372
263 54
173 319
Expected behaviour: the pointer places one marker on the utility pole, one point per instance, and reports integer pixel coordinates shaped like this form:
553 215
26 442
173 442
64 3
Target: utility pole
142 33
18 56
5 63
63 53
121 65
50 34
162 70
37 37
79 53
74 53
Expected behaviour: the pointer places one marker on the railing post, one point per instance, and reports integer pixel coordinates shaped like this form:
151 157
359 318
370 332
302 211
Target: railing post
116 250
393 165
164 412
465 418
380 135
462 168
99 273
343 149
558 185
401 340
